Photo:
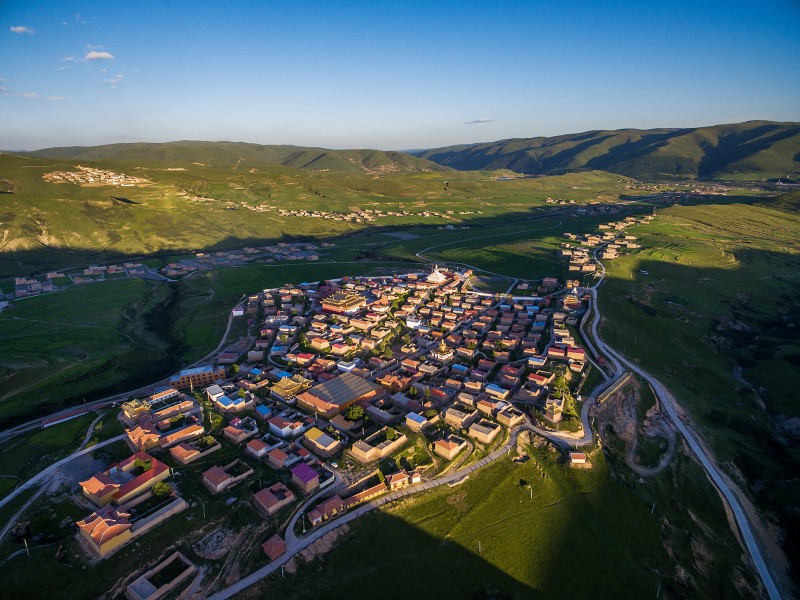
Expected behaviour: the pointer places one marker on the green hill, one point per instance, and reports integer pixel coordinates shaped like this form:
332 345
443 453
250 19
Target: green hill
753 150
244 155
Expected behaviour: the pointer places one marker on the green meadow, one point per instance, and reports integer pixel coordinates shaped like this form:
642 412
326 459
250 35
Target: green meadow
709 306
56 225
532 530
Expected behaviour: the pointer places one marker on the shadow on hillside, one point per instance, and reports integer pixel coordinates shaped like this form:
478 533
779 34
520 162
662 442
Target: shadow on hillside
700 326
39 260
386 557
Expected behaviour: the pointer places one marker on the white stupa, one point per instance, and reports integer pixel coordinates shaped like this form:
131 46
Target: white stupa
437 276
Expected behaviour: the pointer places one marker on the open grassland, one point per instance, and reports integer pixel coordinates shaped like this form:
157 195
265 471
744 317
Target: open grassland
24 456
53 225
709 306
74 343
496 537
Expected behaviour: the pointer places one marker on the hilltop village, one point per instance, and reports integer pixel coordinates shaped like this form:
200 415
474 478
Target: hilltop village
348 391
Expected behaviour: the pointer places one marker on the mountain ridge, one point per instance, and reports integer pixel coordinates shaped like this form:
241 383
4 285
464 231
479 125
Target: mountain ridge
741 151
225 153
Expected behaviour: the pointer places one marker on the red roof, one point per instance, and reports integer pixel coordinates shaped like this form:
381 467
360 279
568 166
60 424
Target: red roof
274 547
216 475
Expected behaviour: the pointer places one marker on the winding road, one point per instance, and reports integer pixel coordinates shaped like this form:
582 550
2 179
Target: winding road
675 414
295 544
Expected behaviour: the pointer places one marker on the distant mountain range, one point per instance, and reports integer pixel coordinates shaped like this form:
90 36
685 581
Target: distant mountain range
753 150
746 151
247 155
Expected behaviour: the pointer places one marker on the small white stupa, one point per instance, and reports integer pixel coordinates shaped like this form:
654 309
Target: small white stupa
437 276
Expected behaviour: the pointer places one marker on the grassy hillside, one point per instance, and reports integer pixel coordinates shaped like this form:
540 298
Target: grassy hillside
246 155
709 306
44 225
512 531
746 151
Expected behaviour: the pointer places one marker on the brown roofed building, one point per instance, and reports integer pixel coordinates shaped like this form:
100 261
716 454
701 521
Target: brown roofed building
274 547
449 446
270 500
331 397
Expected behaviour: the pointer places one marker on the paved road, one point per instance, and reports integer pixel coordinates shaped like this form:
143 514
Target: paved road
294 545
675 413
54 467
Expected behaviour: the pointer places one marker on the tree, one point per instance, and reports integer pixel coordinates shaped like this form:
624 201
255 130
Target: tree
391 435
162 489
241 393
561 387
354 413
206 441
143 464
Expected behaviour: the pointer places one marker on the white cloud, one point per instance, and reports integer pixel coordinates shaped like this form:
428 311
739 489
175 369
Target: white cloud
97 55
55 98
114 80
68 59
22 94
21 29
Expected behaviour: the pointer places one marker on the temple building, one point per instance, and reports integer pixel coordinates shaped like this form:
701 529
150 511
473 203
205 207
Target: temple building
437 276
344 303
443 353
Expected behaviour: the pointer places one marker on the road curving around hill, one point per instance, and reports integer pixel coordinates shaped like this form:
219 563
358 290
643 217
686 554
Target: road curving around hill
677 416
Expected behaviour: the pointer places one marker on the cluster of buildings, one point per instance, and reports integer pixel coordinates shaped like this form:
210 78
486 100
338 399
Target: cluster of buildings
611 235
126 503
205 261
356 370
54 281
369 215
91 175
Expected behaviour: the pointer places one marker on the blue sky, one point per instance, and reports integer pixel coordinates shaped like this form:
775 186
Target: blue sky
390 75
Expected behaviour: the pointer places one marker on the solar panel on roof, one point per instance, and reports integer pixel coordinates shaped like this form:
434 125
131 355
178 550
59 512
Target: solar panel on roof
343 388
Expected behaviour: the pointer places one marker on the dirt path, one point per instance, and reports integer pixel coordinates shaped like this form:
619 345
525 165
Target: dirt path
90 431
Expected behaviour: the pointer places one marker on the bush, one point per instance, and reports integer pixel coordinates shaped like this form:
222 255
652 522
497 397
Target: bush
354 413
143 464
162 490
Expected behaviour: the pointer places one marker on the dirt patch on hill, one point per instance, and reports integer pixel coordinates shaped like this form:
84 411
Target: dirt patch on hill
319 548
216 544
618 413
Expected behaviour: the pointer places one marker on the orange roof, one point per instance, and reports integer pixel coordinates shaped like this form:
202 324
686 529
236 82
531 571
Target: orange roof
105 524
256 445
397 477
99 485
278 455
183 451
274 547
216 476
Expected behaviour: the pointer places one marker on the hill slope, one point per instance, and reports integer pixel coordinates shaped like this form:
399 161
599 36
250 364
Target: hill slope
745 151
247 155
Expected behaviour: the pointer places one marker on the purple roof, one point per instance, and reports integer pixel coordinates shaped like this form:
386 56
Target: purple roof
304 473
